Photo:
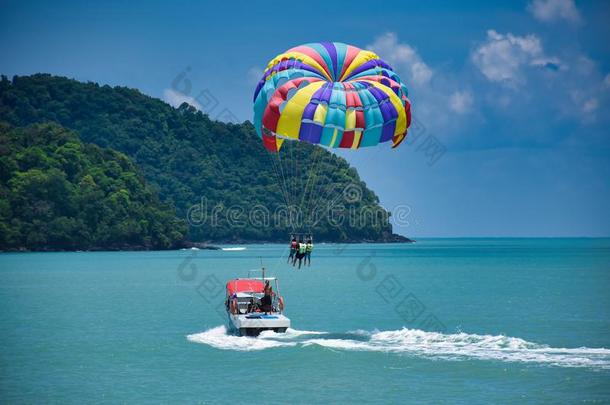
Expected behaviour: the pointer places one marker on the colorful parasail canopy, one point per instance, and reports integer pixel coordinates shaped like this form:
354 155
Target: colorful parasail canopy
331 94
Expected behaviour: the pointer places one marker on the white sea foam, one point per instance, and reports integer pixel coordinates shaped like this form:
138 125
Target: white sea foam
290 334
462 346
230 249
458 346
362 332
219 338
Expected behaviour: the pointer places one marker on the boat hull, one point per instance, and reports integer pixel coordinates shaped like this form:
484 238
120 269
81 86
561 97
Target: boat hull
253 324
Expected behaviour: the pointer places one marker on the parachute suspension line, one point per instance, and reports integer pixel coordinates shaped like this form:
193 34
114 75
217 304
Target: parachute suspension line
281 179
293 168
310 186
279 159
297 166
284 173
286 180
337 194
328 191
290 198
277 176
331 192
311 192
299 188
311 167
318 187
281 258
325 191
280 184
291 178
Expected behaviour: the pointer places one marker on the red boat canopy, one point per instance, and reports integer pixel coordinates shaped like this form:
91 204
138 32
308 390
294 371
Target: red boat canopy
247 285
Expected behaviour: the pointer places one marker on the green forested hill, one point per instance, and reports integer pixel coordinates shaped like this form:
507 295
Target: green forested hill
190 158
59 193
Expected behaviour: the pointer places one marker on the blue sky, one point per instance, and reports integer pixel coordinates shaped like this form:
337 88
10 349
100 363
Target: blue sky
516 94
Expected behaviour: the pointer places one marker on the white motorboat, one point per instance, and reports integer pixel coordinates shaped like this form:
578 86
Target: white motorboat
253 305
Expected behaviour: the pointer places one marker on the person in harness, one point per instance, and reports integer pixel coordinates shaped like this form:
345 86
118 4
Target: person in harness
301 249
293 250
308 250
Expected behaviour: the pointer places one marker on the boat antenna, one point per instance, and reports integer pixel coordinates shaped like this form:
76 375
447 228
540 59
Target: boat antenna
262 267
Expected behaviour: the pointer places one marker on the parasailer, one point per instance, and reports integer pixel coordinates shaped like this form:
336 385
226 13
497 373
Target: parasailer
300 255
329 94
293 249
308 250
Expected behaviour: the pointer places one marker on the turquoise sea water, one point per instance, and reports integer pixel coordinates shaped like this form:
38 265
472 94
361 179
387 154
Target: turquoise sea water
440 321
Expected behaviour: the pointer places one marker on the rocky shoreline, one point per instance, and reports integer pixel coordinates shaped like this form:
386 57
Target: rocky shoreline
209 245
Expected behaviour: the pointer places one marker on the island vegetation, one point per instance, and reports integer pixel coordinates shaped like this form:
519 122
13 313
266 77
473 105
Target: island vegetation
57 192
89 166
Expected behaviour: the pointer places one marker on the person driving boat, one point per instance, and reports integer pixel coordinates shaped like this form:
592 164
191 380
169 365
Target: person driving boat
252 306
267 300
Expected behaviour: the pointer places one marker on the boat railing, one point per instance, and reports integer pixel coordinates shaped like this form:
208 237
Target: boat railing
276 297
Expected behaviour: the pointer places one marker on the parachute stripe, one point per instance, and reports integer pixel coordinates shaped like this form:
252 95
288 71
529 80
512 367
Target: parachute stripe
290 120
330 94
401 121
310 56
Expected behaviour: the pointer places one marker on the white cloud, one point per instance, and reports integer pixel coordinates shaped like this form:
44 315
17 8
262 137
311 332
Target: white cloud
533 80
585 104
590 106
589 110
554 10
584 66
176 98
429 89
461 101
402 57
254 75
501 57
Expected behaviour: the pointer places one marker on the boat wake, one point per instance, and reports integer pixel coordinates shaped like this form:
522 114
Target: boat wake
219 338
459 346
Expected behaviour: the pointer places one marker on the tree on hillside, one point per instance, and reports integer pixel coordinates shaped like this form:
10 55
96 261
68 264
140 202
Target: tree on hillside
57 192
